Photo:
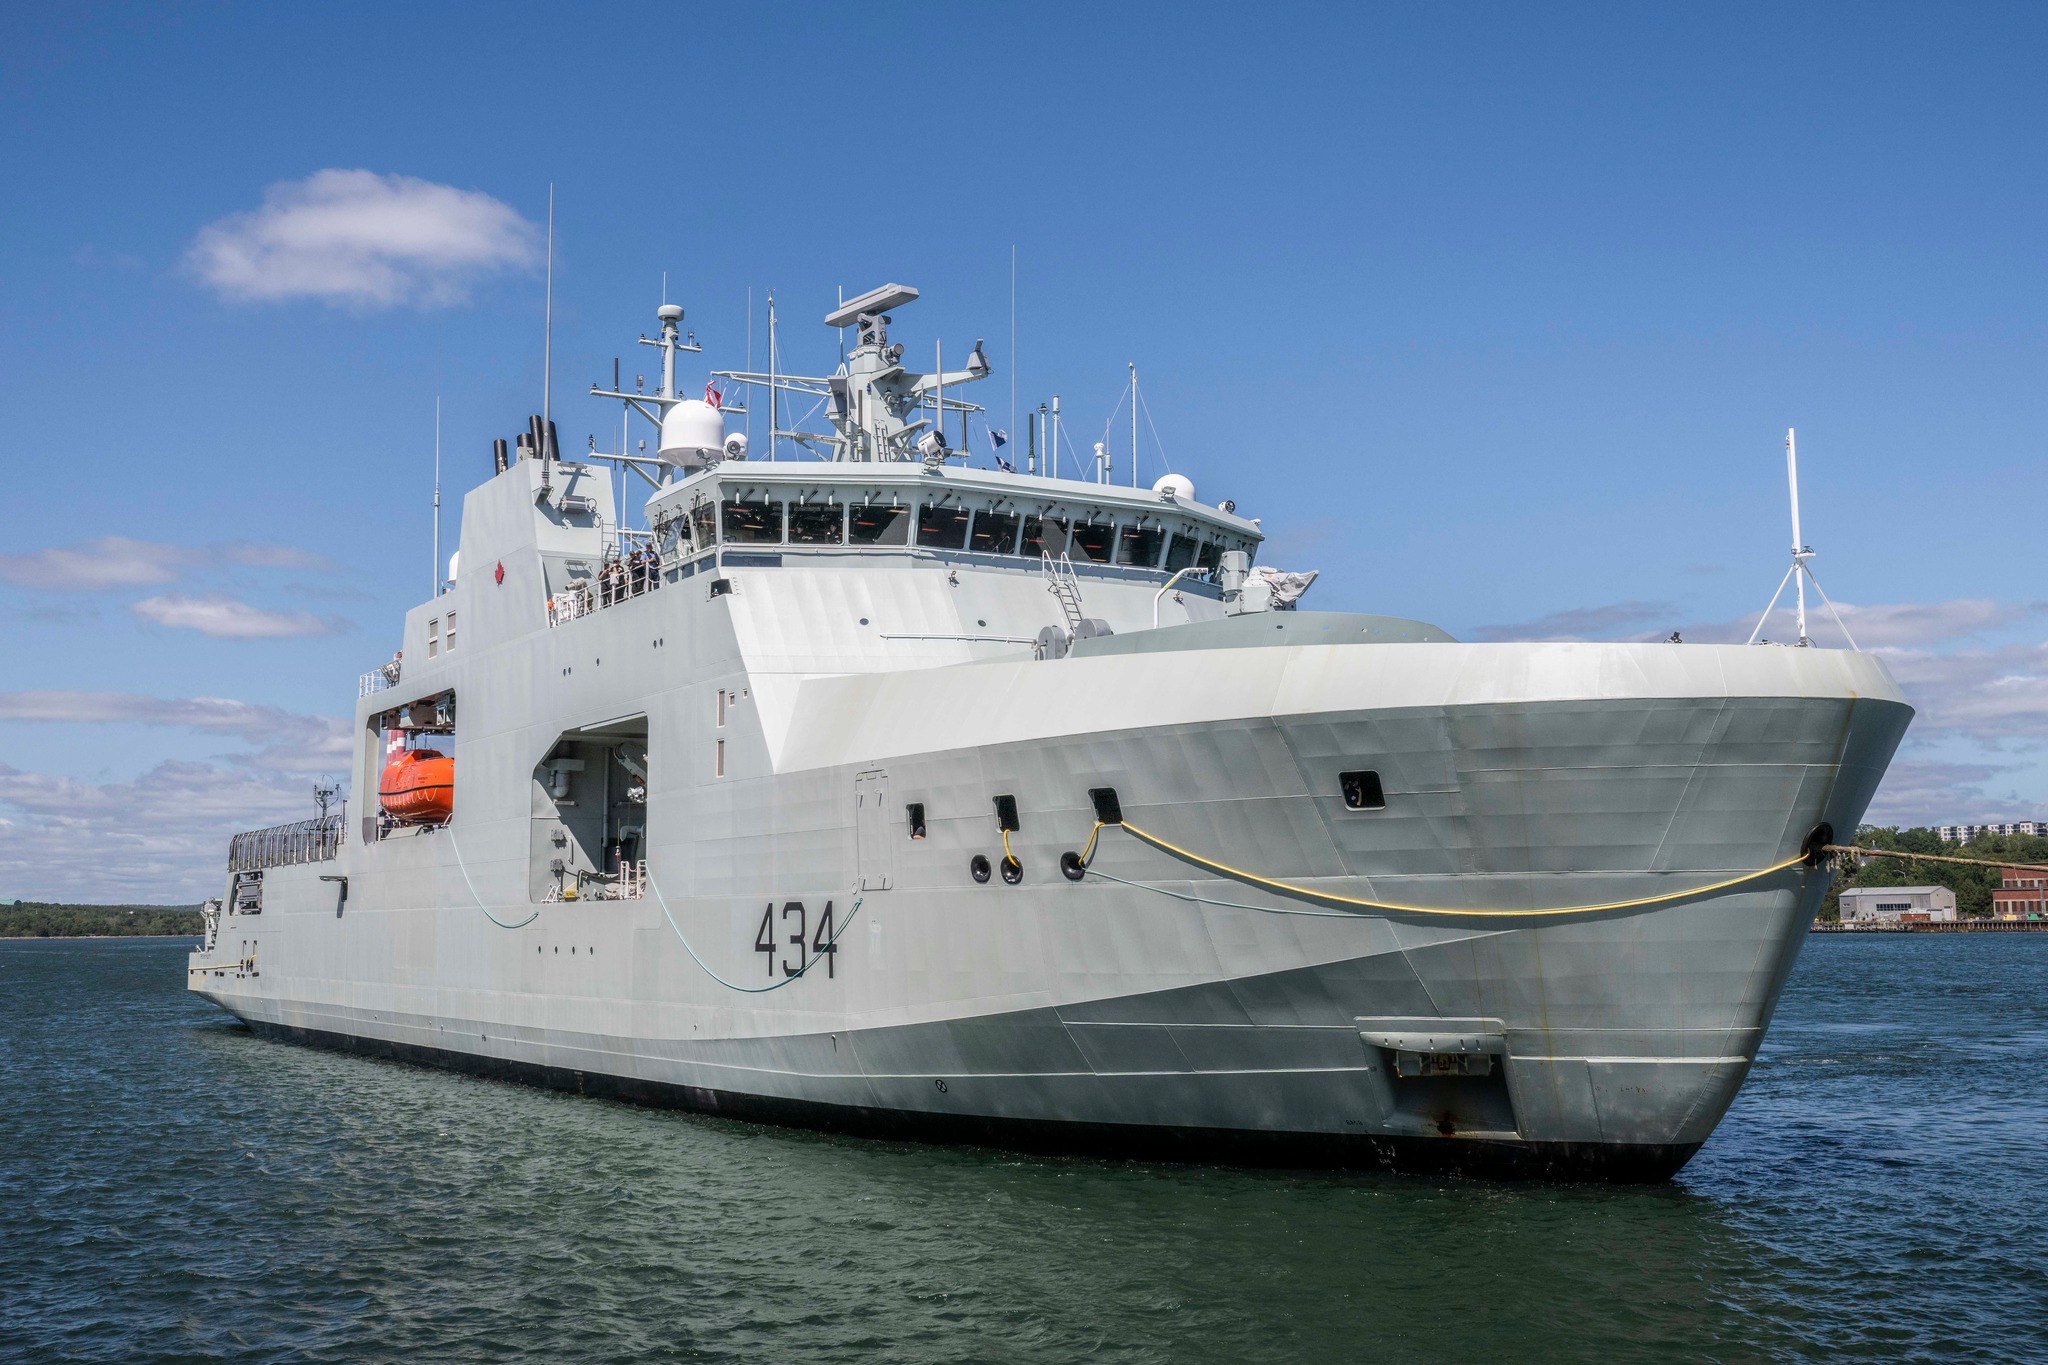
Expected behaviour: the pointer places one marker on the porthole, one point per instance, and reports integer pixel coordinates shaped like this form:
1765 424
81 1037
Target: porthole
1362 790
978 868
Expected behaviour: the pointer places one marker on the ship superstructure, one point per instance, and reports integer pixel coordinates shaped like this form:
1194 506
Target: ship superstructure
873 791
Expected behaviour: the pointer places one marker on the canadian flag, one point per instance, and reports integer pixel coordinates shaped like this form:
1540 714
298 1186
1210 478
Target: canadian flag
712 395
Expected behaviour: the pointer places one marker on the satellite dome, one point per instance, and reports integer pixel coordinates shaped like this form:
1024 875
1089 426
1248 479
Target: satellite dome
1178 486
692 434
453 560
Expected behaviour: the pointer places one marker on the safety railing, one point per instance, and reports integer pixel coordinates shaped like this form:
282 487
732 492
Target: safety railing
306 841
377 679
618 581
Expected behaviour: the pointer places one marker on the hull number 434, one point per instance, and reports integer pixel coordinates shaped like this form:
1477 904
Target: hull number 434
789 931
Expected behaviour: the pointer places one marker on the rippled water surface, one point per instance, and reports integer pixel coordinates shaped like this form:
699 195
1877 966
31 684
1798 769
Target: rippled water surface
173 1188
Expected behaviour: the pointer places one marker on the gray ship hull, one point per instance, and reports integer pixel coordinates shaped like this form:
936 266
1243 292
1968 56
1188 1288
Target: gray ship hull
1156 1007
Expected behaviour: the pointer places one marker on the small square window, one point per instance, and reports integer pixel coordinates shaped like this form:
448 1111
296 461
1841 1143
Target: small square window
433 637
1362 791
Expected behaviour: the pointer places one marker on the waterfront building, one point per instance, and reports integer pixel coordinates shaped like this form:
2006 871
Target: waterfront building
1962 834
1905 904
2022 893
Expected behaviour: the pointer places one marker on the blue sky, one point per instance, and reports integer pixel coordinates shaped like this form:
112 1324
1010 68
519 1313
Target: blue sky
1496 315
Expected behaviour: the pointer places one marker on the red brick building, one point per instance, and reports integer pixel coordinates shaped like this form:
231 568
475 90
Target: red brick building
2022 894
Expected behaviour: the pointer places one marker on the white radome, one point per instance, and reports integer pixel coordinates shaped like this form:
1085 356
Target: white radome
692 432
1177 486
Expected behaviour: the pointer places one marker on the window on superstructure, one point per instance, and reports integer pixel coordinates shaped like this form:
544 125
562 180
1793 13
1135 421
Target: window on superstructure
1092 541
995 533
1044 536
752 523
433 637
1139 545
876 523
449 635
1210 557
1180 552
817 524
703 526
942 528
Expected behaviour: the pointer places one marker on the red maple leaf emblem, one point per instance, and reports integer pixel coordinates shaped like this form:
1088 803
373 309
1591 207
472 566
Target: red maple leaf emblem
500 574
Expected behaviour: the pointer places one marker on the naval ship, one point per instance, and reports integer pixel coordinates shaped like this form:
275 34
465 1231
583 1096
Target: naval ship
874 792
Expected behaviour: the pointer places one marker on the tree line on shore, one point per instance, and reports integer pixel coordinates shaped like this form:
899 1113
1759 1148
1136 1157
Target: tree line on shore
48 919
1973 885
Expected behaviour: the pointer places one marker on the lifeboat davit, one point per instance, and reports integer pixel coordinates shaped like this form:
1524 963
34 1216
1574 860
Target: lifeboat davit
418 787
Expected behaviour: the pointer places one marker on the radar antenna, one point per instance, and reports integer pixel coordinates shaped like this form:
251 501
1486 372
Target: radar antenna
1801 571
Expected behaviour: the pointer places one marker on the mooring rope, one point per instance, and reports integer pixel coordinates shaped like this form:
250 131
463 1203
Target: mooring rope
830 943
1332 898
472 888
1928 857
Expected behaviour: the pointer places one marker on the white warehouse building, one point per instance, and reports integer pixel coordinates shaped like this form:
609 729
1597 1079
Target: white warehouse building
1869 904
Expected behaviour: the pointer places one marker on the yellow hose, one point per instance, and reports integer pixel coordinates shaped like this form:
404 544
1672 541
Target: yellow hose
1329 897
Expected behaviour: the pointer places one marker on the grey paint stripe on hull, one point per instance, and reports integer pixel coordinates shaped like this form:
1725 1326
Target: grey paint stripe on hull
1487 1158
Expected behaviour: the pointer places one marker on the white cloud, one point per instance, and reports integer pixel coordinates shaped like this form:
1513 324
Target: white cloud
119 562
1994 696
162 838
1929 792
292 742
363 240
224 618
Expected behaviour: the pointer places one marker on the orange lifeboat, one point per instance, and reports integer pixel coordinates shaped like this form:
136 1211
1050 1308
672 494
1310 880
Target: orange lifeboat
418 787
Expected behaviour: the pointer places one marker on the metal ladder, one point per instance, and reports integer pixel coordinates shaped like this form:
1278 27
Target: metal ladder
1061 583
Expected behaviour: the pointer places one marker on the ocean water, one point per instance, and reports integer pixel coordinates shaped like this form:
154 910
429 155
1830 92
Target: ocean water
172 1188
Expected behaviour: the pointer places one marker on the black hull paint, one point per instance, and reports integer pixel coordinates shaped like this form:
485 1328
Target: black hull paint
1482 1159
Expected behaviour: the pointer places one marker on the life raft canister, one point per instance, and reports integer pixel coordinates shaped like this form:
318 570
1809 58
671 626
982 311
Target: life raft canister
418 787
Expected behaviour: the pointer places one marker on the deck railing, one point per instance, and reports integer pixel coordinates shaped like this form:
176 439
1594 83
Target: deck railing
306 841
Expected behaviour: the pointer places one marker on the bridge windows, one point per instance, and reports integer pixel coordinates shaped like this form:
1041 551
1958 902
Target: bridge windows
703 526
752 523
1138 545
817 524
942 528
878 523
1092 542
995 533
1043 536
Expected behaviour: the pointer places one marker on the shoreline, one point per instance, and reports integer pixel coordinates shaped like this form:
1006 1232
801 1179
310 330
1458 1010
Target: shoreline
1964 926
